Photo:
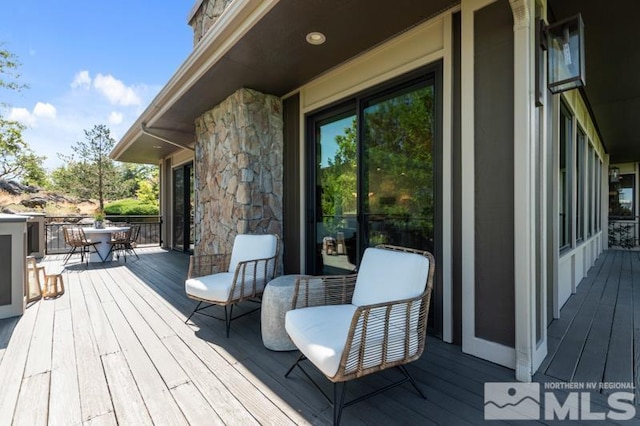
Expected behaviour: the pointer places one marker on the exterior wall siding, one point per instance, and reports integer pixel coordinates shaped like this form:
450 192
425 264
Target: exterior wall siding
494 162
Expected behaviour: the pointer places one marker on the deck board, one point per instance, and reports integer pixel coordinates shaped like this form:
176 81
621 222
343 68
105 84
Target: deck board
635 290
600 335
7 326
620 355
33 401
127 401
115 349
15 359
565 360
95 399
162 407
64 396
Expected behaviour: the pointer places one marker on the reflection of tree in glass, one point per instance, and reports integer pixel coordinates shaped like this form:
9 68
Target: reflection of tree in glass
398 143
339 180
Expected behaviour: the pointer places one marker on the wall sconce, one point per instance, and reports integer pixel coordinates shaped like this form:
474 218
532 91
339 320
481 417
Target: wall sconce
564 42
614 174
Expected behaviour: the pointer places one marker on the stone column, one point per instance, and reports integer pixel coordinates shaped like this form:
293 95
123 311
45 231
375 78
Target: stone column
206 14
238 170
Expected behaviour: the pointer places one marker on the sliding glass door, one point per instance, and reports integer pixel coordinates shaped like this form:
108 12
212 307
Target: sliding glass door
183 208
372 174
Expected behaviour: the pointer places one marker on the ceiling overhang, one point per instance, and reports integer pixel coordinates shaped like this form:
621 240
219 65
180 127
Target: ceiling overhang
612 60
261 45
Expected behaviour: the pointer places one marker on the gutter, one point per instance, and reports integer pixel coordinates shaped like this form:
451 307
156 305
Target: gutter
160 138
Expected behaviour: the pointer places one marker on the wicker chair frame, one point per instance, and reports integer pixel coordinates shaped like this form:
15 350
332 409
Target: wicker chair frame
75 237
245 284
378 321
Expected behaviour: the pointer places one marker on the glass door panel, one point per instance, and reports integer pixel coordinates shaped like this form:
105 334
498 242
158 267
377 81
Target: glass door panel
191 208
178 209
398 150
336 199
183 198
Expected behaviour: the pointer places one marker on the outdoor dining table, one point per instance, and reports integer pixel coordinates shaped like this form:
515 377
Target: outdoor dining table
103 235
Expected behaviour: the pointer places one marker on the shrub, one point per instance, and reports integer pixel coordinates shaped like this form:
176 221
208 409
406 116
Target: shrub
130 207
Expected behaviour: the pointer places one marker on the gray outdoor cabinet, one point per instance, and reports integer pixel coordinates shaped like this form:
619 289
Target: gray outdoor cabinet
13 252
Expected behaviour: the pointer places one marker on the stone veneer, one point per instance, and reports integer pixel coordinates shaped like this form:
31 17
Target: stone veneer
205 16
238 170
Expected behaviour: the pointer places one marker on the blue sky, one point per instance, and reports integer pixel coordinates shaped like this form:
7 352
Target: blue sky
88 63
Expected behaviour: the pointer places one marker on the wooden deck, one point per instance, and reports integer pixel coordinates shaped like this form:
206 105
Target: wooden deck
114 349
597 337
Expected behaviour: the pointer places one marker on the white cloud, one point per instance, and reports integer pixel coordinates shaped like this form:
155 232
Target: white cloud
81 80
22 115
115 117
115 90
78 109
30 118
45 110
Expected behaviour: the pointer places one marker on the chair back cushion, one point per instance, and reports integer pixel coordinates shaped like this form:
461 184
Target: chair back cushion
251 247
388 275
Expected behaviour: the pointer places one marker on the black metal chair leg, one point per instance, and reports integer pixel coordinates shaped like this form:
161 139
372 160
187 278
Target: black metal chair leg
194 311
68 256
338 401
301 357
227 318
412 380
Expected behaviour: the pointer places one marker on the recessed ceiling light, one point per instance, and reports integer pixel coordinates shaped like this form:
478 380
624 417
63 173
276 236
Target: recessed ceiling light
316 38
157 146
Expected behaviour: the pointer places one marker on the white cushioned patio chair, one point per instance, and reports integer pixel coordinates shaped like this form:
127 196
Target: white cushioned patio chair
227 279
354 325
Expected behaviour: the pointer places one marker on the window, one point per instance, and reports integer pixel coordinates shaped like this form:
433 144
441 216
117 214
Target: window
564 178
580 176
598 194
590 202
621 198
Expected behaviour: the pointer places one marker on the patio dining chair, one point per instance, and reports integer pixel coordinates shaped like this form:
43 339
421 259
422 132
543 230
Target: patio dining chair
354 325
130 245
227 279
118 243
75 238
123 242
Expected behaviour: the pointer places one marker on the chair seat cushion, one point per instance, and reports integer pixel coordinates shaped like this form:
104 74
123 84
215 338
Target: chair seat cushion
320 332
215 287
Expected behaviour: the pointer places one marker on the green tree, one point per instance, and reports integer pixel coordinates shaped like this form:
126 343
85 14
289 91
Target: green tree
9 70
148 187
17 159
120 180
134 176
92 174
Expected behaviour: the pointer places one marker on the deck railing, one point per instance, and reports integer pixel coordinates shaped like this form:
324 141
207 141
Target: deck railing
150 229
623 232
